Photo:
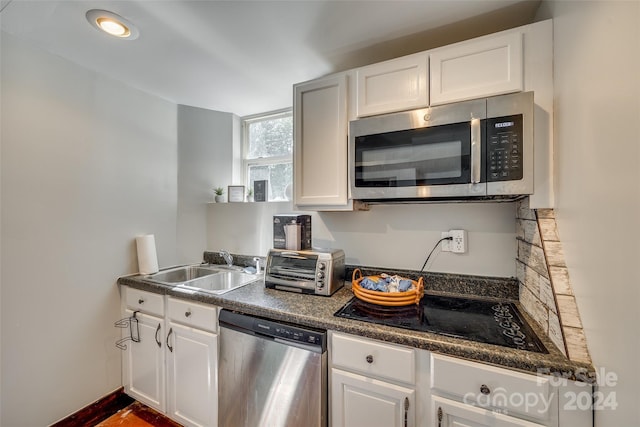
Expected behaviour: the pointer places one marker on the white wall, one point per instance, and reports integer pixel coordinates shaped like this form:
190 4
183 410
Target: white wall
205 139
396 236
87 164
597 106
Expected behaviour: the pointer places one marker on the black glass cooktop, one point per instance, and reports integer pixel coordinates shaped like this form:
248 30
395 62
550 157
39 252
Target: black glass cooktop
490 322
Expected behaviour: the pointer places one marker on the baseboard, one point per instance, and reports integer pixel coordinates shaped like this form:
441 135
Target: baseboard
97 411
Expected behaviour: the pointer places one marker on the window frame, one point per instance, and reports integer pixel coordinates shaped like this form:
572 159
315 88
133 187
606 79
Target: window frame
261 161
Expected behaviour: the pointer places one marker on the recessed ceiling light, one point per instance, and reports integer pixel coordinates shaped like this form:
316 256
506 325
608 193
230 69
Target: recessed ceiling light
112 24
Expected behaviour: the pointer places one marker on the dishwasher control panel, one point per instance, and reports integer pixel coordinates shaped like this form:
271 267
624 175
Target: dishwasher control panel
274 330
289 333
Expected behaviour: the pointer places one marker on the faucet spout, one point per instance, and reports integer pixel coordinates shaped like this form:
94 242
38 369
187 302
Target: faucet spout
227 257
257 261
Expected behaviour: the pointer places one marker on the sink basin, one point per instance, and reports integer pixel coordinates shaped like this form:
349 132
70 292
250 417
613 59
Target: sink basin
221 282
181 274
217 280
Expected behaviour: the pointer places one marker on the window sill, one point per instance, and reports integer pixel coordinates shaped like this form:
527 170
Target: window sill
274 203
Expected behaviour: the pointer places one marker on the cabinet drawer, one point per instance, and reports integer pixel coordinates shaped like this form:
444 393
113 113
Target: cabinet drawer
373 358
193 314
144 301
491 387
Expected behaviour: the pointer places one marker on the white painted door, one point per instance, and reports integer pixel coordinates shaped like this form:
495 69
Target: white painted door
395 85
449 413
192 387
320 176
486 66
359 401
143 370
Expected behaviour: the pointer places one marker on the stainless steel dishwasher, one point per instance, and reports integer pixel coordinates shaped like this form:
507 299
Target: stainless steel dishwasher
270 374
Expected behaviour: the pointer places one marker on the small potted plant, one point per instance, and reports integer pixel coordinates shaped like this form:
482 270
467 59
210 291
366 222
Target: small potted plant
218 191
250 195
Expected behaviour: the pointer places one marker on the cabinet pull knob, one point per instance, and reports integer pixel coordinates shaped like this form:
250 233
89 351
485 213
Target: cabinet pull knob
406 411
369 358
484 389
158 333
439 416
168 335
140 301
187 313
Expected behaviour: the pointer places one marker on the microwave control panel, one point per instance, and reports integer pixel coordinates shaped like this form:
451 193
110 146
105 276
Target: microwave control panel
504 148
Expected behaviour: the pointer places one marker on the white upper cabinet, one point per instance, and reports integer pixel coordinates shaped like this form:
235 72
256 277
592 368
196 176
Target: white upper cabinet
515 60
486 66
395 85
320 144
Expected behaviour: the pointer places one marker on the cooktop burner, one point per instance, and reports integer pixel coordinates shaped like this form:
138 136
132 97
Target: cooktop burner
483 321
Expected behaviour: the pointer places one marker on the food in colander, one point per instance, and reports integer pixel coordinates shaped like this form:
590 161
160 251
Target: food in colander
386 283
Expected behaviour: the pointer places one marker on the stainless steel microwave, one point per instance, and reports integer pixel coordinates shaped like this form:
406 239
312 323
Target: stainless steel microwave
481 148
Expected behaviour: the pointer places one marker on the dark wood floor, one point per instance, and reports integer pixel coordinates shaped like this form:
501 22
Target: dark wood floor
137 415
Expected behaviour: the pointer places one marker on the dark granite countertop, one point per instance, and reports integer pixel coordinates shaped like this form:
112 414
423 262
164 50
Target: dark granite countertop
318 312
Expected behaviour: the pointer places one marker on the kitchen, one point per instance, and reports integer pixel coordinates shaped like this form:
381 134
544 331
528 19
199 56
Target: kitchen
80 179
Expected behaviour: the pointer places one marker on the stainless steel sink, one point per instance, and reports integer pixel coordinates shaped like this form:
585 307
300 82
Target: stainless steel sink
214 279
182 274
221 282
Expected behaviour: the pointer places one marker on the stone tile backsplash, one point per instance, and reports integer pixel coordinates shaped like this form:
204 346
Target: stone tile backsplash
545 288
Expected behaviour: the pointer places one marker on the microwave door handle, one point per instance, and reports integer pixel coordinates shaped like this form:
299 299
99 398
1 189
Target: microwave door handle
475 151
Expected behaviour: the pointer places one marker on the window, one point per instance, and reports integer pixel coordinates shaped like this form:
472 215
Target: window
267 152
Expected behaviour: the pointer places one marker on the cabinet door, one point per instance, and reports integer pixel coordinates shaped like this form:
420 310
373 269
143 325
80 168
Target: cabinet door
486 66
320 143
143 370
396 85
359 401
192 386
448 413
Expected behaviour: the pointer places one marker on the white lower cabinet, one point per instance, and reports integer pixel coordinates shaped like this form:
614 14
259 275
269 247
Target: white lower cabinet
143 365
362 401
372 383
496 389
191 380
449 413
173 366
466 393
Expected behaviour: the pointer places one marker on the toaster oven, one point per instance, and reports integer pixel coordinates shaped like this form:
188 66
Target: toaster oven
319 272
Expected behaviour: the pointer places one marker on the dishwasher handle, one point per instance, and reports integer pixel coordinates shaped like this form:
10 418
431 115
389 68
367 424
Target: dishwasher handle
308 339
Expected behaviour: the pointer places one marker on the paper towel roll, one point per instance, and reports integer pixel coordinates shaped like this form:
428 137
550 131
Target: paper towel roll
292 234
147 257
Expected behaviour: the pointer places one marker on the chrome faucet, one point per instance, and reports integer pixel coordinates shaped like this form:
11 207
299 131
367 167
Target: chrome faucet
227 257
257 261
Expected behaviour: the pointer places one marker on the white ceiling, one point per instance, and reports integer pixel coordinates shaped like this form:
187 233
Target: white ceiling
239 56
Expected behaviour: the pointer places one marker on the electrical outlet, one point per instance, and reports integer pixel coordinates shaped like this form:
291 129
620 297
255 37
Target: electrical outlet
446 244
459 242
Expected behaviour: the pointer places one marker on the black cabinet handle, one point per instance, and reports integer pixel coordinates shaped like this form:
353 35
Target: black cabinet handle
369 358
140 301
168 335
439 416
158 333
187 313
484 389
406 411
